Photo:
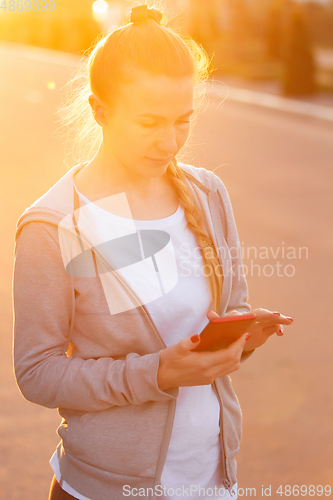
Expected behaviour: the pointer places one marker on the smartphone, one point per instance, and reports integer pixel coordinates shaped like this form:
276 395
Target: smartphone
221 332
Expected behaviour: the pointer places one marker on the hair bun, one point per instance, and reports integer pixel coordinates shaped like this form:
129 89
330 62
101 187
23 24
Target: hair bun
141 13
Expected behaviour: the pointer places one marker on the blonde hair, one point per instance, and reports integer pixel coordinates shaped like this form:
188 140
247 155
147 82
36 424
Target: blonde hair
116 59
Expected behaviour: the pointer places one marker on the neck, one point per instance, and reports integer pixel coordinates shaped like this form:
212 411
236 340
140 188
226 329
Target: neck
107 170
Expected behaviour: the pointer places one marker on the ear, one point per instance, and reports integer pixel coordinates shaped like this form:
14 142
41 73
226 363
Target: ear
98 108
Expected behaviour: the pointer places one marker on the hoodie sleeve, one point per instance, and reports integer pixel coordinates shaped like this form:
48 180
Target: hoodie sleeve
43 300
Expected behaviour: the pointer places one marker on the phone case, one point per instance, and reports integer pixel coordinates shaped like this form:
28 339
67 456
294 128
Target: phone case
221 332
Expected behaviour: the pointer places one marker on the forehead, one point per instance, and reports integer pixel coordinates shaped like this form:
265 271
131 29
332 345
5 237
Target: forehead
159 95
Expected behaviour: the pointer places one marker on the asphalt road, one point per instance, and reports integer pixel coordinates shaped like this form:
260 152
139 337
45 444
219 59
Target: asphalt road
278 169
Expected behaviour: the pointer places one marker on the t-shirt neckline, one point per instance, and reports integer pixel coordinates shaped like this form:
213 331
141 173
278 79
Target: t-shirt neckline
177 216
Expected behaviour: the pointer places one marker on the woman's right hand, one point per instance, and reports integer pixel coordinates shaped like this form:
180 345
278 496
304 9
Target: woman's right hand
180 367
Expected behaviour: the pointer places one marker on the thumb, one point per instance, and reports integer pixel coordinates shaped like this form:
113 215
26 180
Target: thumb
212 315
185 346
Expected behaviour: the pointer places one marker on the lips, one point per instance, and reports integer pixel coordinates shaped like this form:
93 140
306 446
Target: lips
161 161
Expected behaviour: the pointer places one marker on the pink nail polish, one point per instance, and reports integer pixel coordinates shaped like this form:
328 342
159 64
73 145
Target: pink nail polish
276 313
248 336
291 319
280 330
195 338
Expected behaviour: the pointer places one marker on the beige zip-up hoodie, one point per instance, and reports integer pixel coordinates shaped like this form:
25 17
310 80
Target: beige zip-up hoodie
100 369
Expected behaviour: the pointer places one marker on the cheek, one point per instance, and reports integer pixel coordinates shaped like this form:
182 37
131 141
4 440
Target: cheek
182 136
135 144
185 132
126 139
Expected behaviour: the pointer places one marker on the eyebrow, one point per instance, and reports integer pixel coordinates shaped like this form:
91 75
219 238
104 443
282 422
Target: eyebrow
152 115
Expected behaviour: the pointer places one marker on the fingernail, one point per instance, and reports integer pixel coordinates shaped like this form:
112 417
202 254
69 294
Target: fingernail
277 313
248 336
291 319
195 338
280 330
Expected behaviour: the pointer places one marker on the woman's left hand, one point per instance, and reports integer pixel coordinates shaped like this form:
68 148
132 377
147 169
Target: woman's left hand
266 324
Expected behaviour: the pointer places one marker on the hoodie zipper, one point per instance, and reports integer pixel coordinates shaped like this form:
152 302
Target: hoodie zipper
226 482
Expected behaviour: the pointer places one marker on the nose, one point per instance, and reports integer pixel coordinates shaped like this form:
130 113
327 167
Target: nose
167 141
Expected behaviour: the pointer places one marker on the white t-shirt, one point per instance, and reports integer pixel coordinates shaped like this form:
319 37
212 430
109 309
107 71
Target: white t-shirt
194 452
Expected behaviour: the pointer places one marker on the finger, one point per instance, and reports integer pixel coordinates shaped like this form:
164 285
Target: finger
280 332
270 330
233 313
212 315
285 320
185 346
273 318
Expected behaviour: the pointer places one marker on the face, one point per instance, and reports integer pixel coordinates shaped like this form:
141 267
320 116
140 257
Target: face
149 124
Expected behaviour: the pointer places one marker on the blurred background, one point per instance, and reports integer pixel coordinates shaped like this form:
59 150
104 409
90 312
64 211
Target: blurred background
288 41
267 132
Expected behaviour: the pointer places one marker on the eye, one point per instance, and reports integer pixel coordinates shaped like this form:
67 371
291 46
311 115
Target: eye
148 125
151 125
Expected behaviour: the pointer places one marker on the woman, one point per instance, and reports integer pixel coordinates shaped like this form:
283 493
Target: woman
108 298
